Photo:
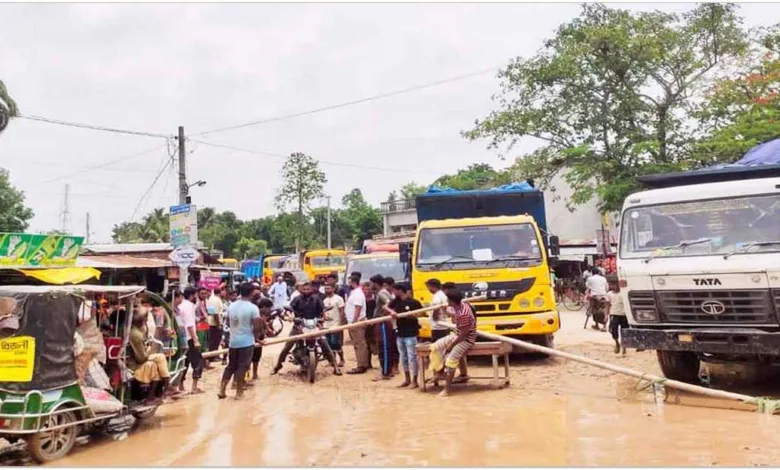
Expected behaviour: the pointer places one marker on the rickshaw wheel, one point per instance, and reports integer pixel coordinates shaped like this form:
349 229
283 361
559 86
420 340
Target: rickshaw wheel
47 446
146 414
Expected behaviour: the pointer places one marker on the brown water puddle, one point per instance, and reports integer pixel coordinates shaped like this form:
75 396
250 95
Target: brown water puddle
340 422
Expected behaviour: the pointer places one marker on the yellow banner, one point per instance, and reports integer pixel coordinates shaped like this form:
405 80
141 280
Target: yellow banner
17 359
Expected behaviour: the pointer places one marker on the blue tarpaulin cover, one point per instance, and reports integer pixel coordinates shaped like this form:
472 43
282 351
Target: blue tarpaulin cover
762 161
510 199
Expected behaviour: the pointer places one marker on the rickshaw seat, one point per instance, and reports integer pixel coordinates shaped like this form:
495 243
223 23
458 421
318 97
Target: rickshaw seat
113 348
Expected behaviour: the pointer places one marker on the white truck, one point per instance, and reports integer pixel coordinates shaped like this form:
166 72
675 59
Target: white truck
699 270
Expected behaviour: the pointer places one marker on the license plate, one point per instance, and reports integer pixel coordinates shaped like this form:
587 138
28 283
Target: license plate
684 338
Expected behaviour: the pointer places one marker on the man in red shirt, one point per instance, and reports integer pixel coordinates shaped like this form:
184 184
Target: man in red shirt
453 348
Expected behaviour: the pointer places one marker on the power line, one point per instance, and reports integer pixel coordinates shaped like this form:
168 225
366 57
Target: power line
324 162
93 127
149 189
350 103
104 165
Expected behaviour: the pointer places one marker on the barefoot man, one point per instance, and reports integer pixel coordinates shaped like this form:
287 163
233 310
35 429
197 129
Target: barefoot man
448 351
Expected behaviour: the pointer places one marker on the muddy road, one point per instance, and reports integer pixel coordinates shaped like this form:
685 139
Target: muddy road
555 413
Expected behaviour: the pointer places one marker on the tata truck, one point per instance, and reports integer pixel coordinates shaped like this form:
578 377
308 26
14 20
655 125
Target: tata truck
699 268
490 243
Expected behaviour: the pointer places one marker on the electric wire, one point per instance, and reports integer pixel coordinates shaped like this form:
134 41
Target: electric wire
349 103
324 162
93 127
149 189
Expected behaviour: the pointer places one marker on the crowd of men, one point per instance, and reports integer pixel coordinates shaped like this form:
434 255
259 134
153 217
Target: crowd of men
241 322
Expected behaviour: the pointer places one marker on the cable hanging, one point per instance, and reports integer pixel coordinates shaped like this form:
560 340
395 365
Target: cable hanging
93 127
350 103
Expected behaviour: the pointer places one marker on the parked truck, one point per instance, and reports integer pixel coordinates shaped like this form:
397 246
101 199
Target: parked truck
699 265
489 243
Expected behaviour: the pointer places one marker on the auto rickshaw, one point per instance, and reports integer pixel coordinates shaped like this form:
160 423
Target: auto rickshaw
41 399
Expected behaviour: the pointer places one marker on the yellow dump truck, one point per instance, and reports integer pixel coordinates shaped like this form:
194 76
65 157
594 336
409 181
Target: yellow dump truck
489 243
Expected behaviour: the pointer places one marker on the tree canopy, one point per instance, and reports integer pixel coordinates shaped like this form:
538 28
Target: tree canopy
612 95
303 183
14 215
8 107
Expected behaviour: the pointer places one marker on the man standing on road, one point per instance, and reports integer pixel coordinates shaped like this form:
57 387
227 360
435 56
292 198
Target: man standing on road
244 318
334 316
385 336
438 316
278 293
186 307
407 330
597 287
356 312
216 312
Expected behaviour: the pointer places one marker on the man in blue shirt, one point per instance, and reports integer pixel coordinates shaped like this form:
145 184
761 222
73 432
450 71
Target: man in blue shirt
244 319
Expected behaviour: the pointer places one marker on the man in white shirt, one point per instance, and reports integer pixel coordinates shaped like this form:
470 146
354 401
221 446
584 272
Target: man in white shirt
215 306
278 293
355 312
597 287
185 304
334 315
438 316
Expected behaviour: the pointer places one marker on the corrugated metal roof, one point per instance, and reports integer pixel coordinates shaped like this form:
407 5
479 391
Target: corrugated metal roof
130 247
120 262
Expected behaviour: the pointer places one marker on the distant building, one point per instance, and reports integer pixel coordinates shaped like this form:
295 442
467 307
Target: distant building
399 216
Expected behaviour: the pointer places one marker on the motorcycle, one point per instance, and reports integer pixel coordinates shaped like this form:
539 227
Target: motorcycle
307 353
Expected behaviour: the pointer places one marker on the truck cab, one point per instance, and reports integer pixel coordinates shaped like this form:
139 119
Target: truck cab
699 269
319 263
489 243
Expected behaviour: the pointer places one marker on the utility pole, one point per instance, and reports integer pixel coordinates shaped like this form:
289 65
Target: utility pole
66 210
183 189
87 237
184 274
329 247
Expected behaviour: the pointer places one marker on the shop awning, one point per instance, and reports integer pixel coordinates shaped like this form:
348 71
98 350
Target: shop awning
61 276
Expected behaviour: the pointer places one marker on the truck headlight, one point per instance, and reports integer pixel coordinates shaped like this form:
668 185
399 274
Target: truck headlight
524 303
539 302
646 315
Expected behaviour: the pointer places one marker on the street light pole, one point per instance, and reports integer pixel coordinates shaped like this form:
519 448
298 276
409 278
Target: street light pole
184 274
329 247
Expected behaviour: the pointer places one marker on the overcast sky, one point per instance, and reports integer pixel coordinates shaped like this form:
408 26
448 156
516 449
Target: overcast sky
204 66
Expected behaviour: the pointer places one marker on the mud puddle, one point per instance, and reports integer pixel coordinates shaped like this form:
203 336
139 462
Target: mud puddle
554 413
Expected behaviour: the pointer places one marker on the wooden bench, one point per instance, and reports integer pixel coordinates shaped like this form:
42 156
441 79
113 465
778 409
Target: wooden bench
494 349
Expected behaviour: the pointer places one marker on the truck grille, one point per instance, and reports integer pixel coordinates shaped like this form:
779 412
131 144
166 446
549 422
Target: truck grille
739 306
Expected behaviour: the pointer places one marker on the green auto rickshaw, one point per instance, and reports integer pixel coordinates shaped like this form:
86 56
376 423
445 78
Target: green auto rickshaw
48 397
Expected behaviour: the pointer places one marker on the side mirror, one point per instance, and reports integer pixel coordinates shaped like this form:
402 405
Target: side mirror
555 245
405 253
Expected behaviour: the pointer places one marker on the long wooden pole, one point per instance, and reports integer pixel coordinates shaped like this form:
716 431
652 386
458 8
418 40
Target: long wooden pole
336 329
760 402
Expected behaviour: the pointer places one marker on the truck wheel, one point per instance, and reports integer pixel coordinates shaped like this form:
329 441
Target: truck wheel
679 365
47 446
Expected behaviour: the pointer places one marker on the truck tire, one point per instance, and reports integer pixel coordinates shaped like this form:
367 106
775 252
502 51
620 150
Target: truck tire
679 365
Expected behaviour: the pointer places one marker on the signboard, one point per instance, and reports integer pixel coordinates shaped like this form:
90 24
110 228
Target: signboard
32 250
184 256
17 359
210 281
184 225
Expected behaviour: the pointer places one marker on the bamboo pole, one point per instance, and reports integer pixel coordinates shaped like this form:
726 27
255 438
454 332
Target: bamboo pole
764 404
336 329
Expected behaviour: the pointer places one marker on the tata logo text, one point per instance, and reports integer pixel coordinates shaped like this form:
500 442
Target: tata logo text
710 281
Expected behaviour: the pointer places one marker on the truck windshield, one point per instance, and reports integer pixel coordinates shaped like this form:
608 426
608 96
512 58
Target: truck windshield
734 225
327 261
514 244
385 266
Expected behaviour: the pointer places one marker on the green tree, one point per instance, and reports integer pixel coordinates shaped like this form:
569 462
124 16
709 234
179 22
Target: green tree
611 96
303 183
475 176
742 111
412 189
364 221
14 215
249 248
8 108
